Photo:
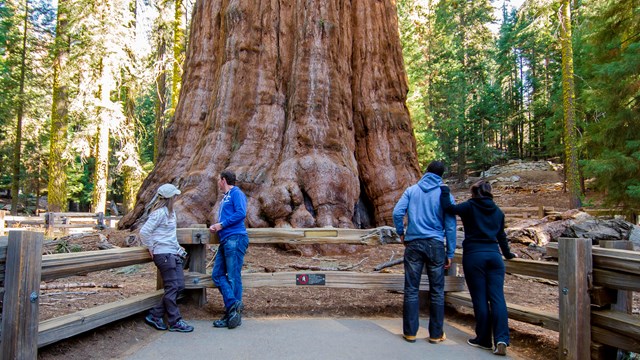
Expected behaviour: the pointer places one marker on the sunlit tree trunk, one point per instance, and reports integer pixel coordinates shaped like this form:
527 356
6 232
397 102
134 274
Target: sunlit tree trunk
160 102
570 137
178 54
102 139
131 173
57 185
17 149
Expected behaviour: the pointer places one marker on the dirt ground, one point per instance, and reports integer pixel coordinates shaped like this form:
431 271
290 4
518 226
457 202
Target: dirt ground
531 342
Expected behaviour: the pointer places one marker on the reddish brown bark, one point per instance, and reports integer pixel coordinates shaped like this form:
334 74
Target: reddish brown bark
305 101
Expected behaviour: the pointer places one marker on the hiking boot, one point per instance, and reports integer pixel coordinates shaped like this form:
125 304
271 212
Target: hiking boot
157 323
501 349
235 315
181 326
222 322
438 340
409 338
474 342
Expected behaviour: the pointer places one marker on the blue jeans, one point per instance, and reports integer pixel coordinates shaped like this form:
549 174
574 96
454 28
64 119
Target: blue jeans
226 274
484 274
417 254
170 267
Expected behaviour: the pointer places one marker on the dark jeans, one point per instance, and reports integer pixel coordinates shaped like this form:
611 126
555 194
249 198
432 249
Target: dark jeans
484 274
170 267
227 268
417 254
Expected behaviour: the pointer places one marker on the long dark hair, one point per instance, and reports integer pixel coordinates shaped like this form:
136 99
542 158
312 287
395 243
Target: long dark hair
481 189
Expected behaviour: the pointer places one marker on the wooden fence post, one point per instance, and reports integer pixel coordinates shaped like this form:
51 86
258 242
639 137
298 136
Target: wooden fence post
22 287
575 275
100 221
2 214
49 220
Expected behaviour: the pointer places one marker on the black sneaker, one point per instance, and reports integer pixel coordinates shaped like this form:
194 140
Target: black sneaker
181 326
157 323
235 314
222 323
475 343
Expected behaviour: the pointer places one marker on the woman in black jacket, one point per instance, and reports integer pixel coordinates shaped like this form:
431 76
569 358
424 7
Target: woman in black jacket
484 270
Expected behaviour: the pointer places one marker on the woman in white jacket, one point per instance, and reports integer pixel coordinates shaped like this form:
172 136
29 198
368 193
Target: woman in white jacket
158 234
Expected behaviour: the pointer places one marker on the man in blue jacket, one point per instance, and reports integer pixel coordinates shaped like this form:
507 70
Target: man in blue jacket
226 274
425 244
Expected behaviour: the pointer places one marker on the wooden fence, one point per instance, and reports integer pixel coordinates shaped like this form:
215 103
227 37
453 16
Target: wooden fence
590 280
57 221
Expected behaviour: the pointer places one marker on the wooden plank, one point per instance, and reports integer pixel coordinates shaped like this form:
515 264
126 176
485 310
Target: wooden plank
20 306
545 319
377 236
574 267
616 280
626 325
624 301
612 338
63 327
334 279
62 265
541 269
611 259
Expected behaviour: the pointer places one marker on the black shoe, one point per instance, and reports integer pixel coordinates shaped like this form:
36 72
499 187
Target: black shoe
235 315
475 343
223 322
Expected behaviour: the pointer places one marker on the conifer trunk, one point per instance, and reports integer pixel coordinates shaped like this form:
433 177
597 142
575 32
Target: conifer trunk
17 149
160 103
178 54
570 138
57 185
102 140
305 101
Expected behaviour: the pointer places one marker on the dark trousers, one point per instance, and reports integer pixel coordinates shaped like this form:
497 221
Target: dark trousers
171 270
484 274
418 254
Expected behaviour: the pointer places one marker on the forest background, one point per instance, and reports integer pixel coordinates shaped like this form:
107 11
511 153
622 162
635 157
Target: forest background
88 88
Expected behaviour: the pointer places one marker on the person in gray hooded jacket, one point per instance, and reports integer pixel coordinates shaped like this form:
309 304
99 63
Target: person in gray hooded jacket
158 234
430 239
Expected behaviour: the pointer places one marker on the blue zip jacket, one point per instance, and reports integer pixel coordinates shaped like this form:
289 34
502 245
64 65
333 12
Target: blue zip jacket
421 204
232 212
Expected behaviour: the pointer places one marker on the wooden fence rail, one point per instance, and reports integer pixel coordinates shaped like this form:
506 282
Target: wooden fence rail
586 275
53 221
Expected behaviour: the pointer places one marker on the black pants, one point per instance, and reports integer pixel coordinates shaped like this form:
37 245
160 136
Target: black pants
171 270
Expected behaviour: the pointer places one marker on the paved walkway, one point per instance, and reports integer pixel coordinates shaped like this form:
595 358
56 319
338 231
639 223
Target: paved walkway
308 339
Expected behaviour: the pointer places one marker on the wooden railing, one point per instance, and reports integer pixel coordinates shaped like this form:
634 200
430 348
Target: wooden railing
57 221
592 281
22 334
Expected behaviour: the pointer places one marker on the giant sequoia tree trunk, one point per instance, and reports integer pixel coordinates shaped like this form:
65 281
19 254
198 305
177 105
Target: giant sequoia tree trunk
305 101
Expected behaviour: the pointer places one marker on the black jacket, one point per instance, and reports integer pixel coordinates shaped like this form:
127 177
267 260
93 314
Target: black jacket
483 223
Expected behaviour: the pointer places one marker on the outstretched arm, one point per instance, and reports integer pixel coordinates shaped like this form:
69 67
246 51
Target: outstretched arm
447 202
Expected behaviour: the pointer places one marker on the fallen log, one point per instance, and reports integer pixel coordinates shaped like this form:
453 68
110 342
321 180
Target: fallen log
323 268
389 263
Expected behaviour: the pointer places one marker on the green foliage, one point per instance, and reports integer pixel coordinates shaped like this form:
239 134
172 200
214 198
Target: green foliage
612 101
